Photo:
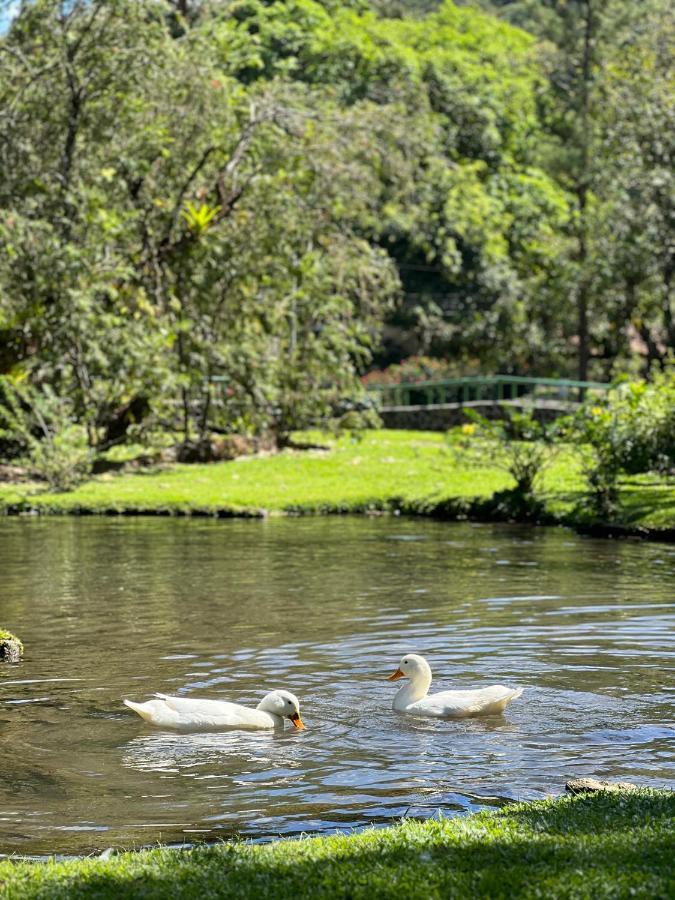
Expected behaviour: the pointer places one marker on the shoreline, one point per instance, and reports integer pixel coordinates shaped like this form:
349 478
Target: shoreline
607 530
604 844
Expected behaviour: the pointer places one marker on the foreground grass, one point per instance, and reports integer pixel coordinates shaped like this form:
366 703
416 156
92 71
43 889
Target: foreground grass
599 846
415 472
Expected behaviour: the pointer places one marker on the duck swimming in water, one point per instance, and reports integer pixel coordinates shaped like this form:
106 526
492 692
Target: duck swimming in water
188 715
414 698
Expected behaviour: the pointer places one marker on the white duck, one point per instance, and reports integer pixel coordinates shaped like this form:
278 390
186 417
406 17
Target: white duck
412 698
187 714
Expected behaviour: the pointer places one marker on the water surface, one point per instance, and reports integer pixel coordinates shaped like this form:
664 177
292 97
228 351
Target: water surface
324 607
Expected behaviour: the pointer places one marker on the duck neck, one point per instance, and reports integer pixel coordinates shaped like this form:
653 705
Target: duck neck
276 719
414 690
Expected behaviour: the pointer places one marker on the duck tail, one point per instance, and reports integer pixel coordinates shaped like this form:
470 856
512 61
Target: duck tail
140 708
506 698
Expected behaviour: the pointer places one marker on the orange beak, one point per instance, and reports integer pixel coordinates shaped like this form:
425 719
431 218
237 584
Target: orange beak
296 720
395 677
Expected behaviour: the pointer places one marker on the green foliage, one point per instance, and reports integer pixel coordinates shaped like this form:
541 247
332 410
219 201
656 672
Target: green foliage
632 432
40 425
609 120
516 443
198 218
14 427
446 107
181 227
635 186
62 457
277 194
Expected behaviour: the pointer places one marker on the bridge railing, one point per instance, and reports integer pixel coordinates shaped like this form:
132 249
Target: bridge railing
491 388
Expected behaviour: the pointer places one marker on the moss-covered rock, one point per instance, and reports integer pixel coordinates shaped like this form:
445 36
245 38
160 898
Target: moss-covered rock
11 648
594 785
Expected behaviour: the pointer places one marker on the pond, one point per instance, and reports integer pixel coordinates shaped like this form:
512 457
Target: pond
116 608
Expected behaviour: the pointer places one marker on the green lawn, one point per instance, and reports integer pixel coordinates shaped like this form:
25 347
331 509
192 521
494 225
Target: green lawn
383 466
599 846
412 471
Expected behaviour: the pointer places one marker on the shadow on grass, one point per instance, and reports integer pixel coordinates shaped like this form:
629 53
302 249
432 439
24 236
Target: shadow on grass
635 511
585 847
508 505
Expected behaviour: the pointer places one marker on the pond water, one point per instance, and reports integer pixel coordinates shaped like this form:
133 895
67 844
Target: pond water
324 607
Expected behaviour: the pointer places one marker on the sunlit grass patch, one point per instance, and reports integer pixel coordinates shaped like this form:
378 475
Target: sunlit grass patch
381 470
600 846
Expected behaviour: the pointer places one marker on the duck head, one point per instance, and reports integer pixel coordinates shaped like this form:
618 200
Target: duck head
283 704
417 669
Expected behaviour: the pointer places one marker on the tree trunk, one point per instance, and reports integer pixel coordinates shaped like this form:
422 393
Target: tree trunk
185 398
204 418
654 354
668 318
582 311
582 192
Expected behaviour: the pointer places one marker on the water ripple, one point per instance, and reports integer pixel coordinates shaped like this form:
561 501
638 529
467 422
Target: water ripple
325 608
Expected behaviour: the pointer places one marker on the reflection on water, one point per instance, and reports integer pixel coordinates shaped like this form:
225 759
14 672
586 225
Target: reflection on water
325 608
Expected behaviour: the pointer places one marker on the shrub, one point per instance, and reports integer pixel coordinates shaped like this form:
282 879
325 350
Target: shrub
37 428
632 431
517 443
63 457
416 369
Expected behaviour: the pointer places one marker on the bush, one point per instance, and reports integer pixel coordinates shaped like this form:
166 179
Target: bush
38 429
62 458
517 443
632 431
416 369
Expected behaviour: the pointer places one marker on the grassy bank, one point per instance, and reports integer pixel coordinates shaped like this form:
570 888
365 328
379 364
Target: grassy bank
415 472
600 846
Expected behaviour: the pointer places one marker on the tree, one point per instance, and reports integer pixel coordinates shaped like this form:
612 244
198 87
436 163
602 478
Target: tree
448 105
67 299
578 29
609 111
636 182
165 224
248 192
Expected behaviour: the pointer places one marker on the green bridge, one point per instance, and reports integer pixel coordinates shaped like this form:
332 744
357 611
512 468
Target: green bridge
486 389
